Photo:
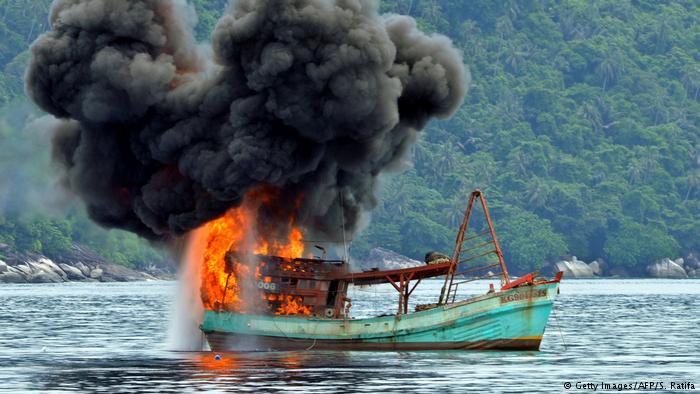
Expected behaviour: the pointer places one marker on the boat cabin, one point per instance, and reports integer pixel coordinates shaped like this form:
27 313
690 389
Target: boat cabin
311 284
318 287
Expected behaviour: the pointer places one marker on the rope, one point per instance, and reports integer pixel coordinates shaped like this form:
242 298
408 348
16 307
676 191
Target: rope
556 320
295 339
312 346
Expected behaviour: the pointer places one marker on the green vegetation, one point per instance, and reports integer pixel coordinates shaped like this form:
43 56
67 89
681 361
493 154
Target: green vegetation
34 216
581 126
21 22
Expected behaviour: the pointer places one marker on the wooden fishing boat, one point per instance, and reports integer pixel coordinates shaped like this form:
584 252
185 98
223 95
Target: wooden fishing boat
513 317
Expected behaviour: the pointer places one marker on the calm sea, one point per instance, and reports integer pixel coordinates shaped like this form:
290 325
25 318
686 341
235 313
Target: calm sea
113 338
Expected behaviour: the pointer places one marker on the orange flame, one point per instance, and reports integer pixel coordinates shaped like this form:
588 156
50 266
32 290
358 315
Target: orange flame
237 231
292 305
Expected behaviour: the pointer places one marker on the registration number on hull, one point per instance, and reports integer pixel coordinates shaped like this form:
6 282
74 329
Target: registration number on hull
524 295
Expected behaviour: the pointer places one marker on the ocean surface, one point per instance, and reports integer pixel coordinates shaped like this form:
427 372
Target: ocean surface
114 338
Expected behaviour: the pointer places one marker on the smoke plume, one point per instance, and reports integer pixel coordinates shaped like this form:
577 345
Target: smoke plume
311 97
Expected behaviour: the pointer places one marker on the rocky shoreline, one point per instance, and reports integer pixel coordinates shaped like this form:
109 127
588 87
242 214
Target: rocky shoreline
80 265
84 265
680 268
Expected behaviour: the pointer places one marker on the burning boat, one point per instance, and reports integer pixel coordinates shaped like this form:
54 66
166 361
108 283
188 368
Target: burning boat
273 298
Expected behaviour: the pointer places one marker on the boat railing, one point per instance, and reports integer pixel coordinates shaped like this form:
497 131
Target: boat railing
456 284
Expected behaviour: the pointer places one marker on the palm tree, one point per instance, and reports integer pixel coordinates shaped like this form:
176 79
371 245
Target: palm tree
469 29
663 34
680 114
405 7
537 193
598 176
509 106
35 10
446 161
513 8
695 155
691 81
454 211
568 26
592 115
658 107
635 172
484 171
397 200
519 162
504 27
692 181
610 66
432 11
421 155
650 160
515 56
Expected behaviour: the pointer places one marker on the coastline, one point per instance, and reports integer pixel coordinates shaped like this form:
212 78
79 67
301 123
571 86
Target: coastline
81 264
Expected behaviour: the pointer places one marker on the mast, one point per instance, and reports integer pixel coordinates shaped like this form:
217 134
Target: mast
449 288
342 221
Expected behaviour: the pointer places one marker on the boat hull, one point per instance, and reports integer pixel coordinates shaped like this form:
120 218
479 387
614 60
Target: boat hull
223 342
510 320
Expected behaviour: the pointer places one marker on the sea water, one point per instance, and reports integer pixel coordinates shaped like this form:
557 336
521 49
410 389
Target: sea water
109 337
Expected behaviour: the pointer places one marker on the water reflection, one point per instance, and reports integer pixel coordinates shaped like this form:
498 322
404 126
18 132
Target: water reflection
324 371
110 338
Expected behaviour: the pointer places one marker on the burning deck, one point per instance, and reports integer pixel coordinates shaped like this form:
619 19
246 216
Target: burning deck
292 286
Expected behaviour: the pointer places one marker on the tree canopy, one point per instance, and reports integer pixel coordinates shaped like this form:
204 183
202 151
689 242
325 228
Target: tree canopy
581 126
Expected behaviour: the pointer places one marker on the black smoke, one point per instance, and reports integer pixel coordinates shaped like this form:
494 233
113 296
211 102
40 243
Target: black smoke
311 97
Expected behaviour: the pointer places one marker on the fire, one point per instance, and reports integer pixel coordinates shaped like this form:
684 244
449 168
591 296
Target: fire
292 306
234 285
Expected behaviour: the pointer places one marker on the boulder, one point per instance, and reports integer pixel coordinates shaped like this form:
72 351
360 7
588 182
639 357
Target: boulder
83 268
96 273
24 269
386 259
597 267
71 272
41 272
78 264
692 260
679 261
12 275
574 268
666 268
118 273
44 277
47 265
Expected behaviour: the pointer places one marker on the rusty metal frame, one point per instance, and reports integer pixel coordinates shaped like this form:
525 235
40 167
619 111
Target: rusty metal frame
448 285
404 290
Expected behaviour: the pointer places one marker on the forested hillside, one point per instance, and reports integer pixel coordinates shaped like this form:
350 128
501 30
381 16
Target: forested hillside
581 125
34 215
